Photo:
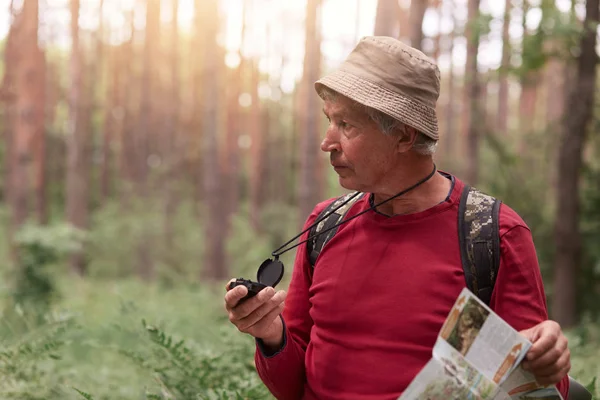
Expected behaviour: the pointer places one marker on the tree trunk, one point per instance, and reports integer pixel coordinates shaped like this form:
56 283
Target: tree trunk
128 84
28 117
8 98
257 136
171 147
386 23
309 110
567 234
77 201
502 116
451 136
437 49
417 13
215 267
147 132
473 118
41 204
529 83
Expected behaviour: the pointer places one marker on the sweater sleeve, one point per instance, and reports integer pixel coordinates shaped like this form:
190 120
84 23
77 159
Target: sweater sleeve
518 295
284 371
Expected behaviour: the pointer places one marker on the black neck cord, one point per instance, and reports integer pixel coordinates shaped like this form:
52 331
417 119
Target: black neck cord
277 252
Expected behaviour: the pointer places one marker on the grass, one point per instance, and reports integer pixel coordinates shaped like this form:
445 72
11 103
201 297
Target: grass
132 340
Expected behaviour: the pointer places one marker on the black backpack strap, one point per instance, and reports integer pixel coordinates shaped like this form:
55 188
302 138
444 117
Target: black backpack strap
479 238
316 244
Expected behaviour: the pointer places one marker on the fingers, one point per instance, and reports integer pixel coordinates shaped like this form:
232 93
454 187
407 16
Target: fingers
262 325
553 373
256 314
544 337
233 296
254 319
549 356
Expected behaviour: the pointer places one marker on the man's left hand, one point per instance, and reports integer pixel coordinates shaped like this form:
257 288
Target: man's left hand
549 358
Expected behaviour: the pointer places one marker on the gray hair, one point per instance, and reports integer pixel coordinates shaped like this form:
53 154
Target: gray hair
423 145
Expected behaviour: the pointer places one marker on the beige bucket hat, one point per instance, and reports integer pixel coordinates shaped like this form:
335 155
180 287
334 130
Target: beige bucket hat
385 74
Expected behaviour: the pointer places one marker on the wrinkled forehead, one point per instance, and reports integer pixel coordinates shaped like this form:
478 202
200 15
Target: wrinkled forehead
339 105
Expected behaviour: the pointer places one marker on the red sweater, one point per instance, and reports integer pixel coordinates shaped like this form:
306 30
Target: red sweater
364 322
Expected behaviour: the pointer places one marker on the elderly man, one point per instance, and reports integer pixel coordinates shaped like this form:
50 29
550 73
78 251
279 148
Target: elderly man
362 322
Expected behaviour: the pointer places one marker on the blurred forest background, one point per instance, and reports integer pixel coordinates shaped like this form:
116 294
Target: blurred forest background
153 149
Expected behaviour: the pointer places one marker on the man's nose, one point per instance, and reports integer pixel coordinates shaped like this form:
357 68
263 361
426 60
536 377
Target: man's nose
330 142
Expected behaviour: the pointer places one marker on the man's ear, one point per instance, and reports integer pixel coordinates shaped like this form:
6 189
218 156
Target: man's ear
406 138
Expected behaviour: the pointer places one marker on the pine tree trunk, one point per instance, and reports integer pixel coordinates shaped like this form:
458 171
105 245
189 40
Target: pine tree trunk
128 85
171 140
215 267
502 116
9 97
437 49
473 118
417 13
386 23
451 137
309 110
41 204
257 136
77 202
147 132
529 83
28 118
567 233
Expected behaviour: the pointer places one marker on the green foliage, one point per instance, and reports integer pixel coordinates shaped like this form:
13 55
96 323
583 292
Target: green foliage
120 230
506 174
183 374
85 395
557 36
27 358
39 249
585 353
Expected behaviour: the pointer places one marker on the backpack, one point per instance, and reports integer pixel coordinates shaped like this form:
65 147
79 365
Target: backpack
478 234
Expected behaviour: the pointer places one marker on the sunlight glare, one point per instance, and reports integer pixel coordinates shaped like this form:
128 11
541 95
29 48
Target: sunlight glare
232 60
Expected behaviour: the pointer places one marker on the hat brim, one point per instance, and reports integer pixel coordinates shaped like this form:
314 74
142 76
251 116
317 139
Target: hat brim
404 109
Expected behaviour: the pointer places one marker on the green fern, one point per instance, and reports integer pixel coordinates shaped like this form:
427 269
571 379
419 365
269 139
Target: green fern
83 394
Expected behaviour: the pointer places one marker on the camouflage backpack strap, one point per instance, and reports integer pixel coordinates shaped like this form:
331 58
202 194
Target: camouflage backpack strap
329 219
479 241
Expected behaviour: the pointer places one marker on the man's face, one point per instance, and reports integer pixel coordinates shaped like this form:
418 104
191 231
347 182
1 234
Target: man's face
360 153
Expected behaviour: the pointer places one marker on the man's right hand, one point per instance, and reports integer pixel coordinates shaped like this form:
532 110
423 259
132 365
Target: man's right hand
259 315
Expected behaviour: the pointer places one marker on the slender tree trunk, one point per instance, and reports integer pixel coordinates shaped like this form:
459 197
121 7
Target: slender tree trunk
231 166
437 49
8 97
417 13
309 151
113 119
194 122
404 21
529 83
502 116
567 233
215 267
147 132
128 84
41 204
473 120
171 138
555 76
28 119
451 136
386 22
257 135
77 202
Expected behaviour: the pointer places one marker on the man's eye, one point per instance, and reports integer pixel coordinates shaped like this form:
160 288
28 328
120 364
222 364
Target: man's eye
342 124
